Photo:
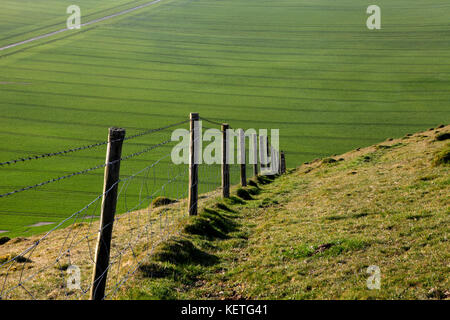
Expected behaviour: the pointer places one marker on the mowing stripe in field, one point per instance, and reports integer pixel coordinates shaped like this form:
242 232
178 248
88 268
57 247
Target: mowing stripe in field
82 25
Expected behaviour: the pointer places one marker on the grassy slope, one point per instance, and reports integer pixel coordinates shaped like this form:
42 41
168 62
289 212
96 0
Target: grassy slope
385 205
311 69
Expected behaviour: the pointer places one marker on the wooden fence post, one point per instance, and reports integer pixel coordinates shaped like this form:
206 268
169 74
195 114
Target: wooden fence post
242 157
279 162
193 165
283 162
262 154
273 161
255 153
225 165
108 210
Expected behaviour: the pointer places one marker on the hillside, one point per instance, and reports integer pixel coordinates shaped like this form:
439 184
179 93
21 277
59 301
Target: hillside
312 233
309 234
310 68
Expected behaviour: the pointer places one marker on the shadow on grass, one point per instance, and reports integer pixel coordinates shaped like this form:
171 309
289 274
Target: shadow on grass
442 157
234 200
224 207
265 179
156 270
211 224
162 201
244 194
181 251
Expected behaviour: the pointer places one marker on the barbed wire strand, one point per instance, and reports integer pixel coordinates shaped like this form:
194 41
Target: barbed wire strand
84 171
90 146
138 231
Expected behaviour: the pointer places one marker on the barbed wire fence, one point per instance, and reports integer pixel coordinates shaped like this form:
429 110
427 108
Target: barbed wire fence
81 257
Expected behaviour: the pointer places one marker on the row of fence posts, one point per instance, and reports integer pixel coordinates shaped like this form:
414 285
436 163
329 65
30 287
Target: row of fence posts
111 182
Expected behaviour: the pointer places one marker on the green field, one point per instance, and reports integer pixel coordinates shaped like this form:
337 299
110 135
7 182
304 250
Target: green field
310 68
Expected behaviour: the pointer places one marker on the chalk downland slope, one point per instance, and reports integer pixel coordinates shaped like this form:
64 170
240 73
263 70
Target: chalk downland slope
312 233
309 234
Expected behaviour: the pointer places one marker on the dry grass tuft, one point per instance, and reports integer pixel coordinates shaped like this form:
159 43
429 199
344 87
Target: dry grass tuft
443 156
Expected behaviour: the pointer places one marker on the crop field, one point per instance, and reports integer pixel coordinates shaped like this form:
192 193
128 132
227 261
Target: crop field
309 68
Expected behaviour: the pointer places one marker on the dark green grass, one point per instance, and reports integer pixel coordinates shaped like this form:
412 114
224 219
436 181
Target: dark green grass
20 20
313 70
